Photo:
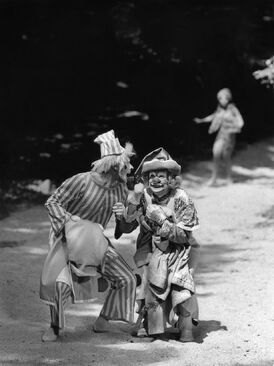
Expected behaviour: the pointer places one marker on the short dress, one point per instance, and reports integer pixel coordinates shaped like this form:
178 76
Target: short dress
227 121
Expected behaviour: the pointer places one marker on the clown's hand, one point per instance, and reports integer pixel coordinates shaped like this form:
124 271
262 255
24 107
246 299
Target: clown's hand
139 189
119 210
143 222
156 214
75 218
156 240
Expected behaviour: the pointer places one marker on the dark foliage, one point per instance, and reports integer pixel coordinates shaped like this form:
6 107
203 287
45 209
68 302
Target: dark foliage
71 69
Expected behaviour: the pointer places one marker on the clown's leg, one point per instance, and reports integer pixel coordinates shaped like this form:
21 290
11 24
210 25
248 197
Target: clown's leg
120 300
141 290
140 325
188 315
63 293
156 316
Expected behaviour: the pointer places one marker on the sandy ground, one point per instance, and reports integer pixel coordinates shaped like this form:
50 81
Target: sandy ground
235 282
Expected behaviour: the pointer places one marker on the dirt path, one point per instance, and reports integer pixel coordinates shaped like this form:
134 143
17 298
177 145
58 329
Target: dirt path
235 282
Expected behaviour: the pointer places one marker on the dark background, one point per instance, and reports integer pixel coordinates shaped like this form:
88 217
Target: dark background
70 69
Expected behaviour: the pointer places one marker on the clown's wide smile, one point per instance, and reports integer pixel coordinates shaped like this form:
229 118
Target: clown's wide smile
158 181
157 187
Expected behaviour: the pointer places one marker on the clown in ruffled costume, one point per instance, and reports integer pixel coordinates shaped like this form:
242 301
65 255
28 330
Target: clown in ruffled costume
79 211
166 252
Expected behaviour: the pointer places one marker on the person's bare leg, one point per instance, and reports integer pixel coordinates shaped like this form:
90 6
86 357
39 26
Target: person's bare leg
217 148
228 164
215 169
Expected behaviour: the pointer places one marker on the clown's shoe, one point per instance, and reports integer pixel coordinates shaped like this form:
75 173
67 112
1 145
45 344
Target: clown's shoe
101 325
50 335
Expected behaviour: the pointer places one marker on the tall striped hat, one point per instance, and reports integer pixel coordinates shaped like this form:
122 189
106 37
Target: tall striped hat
109 144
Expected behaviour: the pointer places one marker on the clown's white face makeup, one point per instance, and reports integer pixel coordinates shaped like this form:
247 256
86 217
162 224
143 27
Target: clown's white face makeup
125 169
158 182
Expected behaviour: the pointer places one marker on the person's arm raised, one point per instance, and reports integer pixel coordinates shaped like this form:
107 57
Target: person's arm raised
205 119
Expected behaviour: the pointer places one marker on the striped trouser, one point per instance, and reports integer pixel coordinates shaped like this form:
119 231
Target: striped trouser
120 301
62 294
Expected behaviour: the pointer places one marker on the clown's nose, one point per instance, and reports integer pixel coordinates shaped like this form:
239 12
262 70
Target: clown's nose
156 180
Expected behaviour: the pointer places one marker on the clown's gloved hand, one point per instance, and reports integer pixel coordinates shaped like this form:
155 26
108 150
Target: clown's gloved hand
156 214
138 192
134 197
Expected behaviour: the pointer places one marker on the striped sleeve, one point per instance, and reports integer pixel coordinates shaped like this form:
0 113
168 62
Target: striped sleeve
58 203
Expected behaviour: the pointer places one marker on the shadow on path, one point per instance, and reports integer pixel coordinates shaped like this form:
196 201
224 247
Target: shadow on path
206 327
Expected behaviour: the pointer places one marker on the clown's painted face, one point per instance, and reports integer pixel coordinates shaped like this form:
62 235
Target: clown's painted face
125 168
158 181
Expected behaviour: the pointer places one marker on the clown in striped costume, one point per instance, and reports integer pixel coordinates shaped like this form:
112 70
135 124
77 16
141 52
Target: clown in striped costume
79 210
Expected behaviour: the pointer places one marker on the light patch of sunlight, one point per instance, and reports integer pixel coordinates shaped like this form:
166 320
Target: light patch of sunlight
270 148
127 346
24 230
85 309
84 313
48 361
44 223
270 297
257 172
128 114
12 358
36 250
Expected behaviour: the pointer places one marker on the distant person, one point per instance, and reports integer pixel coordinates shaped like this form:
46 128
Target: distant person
227 120
79 211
